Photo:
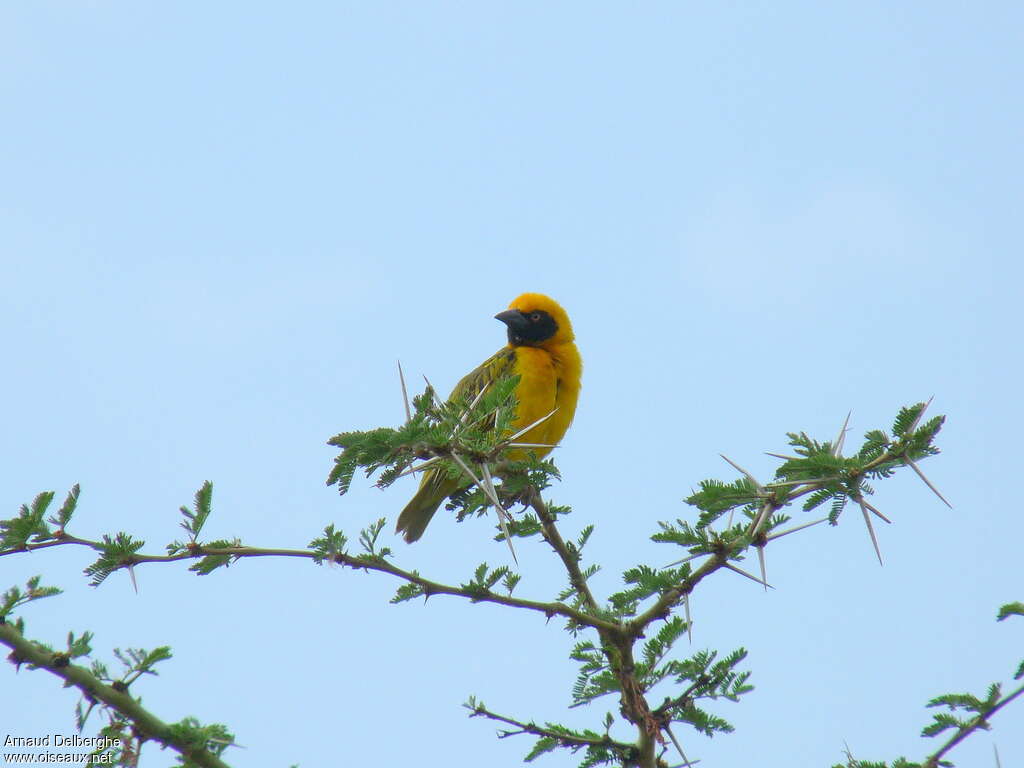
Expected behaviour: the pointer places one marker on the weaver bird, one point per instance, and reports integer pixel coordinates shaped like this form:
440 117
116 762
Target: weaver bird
542 352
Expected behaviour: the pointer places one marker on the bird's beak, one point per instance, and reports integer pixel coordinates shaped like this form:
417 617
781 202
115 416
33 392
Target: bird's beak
513 318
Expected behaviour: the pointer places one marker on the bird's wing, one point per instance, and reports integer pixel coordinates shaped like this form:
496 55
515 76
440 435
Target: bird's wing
494 368
435 485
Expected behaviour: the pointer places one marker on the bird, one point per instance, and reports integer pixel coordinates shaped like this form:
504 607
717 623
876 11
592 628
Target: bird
541 350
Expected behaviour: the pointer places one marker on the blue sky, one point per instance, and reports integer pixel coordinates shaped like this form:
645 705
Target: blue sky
222 224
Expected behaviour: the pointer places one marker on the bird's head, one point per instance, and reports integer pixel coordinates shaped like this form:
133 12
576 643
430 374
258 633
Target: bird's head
536 320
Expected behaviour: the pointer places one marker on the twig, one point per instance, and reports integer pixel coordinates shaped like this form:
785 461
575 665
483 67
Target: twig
554 538
143 721
566 739
356 562
976 723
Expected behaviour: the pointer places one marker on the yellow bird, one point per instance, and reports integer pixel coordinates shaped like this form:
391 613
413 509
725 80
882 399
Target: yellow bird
541 350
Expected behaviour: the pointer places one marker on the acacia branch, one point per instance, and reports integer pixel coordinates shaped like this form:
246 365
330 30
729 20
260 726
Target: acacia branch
572 740
720 558
435 588
569 560
662 608
196 551
672 703
92 688
979 722
617 644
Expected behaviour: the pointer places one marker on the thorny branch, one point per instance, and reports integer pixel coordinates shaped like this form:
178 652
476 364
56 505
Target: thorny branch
92 688
625 751
196 551
980 721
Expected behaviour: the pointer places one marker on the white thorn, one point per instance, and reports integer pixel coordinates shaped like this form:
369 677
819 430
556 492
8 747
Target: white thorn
432 390
913 424
871 530
488 491
688 559
738 468
418 467
868 505
405 393
689 622
764 573
780 534
524 430
502 514
927 482
468 471
761 516
809 481
686 761
837 446
472 405
750 576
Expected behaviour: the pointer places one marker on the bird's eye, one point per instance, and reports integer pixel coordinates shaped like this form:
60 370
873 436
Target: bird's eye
535 317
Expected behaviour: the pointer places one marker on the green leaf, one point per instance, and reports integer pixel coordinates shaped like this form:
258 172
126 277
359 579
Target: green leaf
1010 609
942 722
214 738
875 444
655 648
408 592
79 646
646 582
115 553
327 546
715 498
210 563
543 745
67 509
906 418
14 597
368 539
195 520
16 532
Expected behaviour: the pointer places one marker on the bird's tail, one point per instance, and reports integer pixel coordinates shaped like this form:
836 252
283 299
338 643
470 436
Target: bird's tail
413 521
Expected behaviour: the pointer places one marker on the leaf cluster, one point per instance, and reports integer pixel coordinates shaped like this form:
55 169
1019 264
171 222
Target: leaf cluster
645 582
701 675
485 579
14 597
470 424
597 748
818 473
977 711
116 552
473 428
31 526
193 522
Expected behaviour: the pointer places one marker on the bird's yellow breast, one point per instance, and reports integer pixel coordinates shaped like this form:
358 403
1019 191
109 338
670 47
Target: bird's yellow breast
549 378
